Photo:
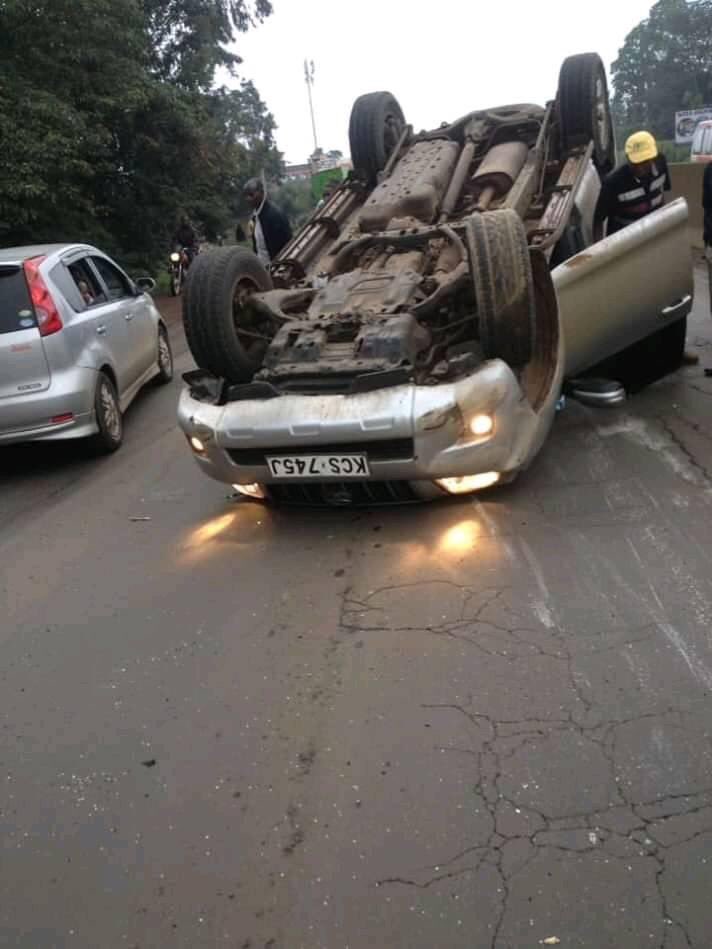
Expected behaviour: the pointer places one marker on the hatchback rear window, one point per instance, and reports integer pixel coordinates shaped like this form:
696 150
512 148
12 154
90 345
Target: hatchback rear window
16 311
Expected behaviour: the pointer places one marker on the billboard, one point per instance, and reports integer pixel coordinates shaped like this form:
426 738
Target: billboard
321 179
686 123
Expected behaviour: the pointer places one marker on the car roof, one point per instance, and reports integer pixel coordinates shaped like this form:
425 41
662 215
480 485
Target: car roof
16 255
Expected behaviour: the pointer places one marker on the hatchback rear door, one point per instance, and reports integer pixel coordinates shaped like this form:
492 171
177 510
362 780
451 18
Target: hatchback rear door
23 365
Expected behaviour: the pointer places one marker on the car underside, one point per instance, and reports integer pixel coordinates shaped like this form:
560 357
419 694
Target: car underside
429 267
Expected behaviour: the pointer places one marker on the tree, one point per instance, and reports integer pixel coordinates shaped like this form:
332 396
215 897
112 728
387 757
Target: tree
295 198
62 97
663 67
189 37
107 134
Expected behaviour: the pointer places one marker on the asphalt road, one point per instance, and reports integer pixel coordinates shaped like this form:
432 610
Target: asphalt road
484 723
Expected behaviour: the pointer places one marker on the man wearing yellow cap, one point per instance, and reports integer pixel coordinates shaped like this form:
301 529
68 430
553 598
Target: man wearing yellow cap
635 188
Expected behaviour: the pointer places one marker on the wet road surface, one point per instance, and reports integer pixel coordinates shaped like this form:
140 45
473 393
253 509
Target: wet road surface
484 723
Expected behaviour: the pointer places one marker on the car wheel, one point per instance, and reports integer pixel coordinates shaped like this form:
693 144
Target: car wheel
584 109
225 335
108 417
504 286
165 357
375 126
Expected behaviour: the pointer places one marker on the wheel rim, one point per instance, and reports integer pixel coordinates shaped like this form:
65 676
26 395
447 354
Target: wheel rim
392 130
165 361
601 117
110 412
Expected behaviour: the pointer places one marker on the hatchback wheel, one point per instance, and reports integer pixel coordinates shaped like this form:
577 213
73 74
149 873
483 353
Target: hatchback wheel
108 417
165 357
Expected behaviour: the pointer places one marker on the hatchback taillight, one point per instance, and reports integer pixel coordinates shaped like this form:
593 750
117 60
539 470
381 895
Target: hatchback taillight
48 319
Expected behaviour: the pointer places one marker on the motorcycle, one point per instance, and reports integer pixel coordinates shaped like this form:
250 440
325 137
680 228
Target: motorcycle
179 263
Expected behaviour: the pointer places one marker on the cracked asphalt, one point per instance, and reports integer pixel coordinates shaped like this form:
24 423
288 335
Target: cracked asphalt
484 723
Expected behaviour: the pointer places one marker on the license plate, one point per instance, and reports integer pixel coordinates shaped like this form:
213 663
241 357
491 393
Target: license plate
318 466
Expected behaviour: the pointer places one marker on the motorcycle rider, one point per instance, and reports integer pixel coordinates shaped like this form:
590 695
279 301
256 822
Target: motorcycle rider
184 237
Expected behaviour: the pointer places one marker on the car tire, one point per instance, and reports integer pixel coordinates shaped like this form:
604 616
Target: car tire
215 294
108 417
584 109
375 127
501 272
164 358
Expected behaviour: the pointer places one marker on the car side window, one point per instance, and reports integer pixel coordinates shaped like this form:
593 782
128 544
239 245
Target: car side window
86 283
63 280
116 283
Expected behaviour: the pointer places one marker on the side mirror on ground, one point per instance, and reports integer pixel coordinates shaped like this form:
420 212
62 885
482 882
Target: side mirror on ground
145 284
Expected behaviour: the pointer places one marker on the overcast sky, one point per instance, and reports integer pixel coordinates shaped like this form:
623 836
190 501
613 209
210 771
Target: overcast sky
441 58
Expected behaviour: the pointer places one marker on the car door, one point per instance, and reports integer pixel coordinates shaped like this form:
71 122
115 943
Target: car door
625 287
139 326
97 327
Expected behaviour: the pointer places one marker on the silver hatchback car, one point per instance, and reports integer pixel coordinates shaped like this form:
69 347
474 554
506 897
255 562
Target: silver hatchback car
78 340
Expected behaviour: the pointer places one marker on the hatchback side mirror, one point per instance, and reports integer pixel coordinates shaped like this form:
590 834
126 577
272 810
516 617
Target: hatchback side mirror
145 284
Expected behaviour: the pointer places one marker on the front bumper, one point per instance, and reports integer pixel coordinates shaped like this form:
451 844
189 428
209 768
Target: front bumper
409 433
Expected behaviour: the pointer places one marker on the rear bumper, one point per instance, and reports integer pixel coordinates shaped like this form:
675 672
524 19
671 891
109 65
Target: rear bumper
28 417
409 433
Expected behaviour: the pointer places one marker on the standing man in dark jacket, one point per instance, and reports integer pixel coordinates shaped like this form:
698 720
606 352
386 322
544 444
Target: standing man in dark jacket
707 210
270 227
633 190
707 205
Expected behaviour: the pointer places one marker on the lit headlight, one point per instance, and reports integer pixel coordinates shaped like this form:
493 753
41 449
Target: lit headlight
175 258
481 425
469 482
251 490
197 445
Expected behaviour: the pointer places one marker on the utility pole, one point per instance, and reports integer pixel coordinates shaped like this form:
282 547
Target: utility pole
309 79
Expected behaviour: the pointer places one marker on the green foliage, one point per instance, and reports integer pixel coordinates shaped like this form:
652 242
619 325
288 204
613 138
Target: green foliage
674 152
188 37
110 126
663 67
295 198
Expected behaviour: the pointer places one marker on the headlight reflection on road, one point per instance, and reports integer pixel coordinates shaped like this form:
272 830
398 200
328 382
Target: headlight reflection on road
459 538
235 530
206 532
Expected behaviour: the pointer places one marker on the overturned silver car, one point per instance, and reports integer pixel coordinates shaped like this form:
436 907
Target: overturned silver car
414 337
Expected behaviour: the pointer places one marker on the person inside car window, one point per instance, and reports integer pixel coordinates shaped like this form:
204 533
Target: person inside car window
85 292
